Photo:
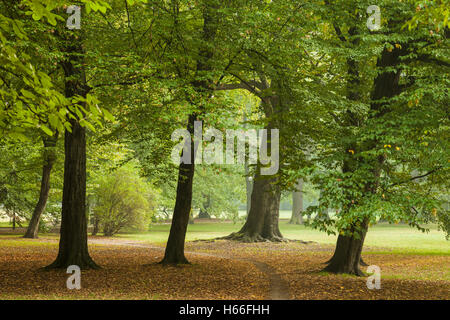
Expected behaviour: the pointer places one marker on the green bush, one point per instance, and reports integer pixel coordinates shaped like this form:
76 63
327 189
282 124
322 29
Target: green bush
123 199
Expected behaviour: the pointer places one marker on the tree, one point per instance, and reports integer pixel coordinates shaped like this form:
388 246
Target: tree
218 191
73 248
122 200
297 204
49 160
372 140
174 253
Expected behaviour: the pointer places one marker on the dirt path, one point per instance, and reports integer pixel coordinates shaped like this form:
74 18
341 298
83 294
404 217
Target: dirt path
279 288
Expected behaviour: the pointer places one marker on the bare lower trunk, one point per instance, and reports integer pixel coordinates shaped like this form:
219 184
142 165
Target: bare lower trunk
73 247
297 204
347 255
49 160
174 253
262 220
95 227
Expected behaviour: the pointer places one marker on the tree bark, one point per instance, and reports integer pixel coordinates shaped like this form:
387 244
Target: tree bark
49 160
73 247
174 253
347 255
262 220
297 204
95 226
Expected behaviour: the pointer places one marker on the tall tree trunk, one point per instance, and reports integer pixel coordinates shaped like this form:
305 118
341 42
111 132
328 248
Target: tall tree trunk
347 255
262 222
49 160
174 253
73 247
297 203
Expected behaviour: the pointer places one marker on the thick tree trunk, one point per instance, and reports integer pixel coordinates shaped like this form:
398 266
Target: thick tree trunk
341 244
347 258
262 220
73 247
49 160
347 255
297 204
174 253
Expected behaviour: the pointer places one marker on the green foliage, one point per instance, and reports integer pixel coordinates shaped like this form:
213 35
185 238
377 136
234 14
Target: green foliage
121 200
20 176
307 68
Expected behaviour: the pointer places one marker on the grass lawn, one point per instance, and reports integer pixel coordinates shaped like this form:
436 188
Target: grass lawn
381 238
7 224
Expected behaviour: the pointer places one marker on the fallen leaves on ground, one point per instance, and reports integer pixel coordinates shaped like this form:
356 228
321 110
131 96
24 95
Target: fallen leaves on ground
128 272
301 264
219 270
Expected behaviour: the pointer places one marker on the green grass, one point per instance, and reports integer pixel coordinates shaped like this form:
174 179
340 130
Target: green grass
381 239
384 238
7 224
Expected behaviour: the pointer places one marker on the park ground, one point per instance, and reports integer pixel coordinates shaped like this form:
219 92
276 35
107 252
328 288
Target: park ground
414 265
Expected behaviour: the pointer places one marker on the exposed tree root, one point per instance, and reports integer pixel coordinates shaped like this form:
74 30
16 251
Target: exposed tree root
246 238
336 270
165 262
361 261
84 264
